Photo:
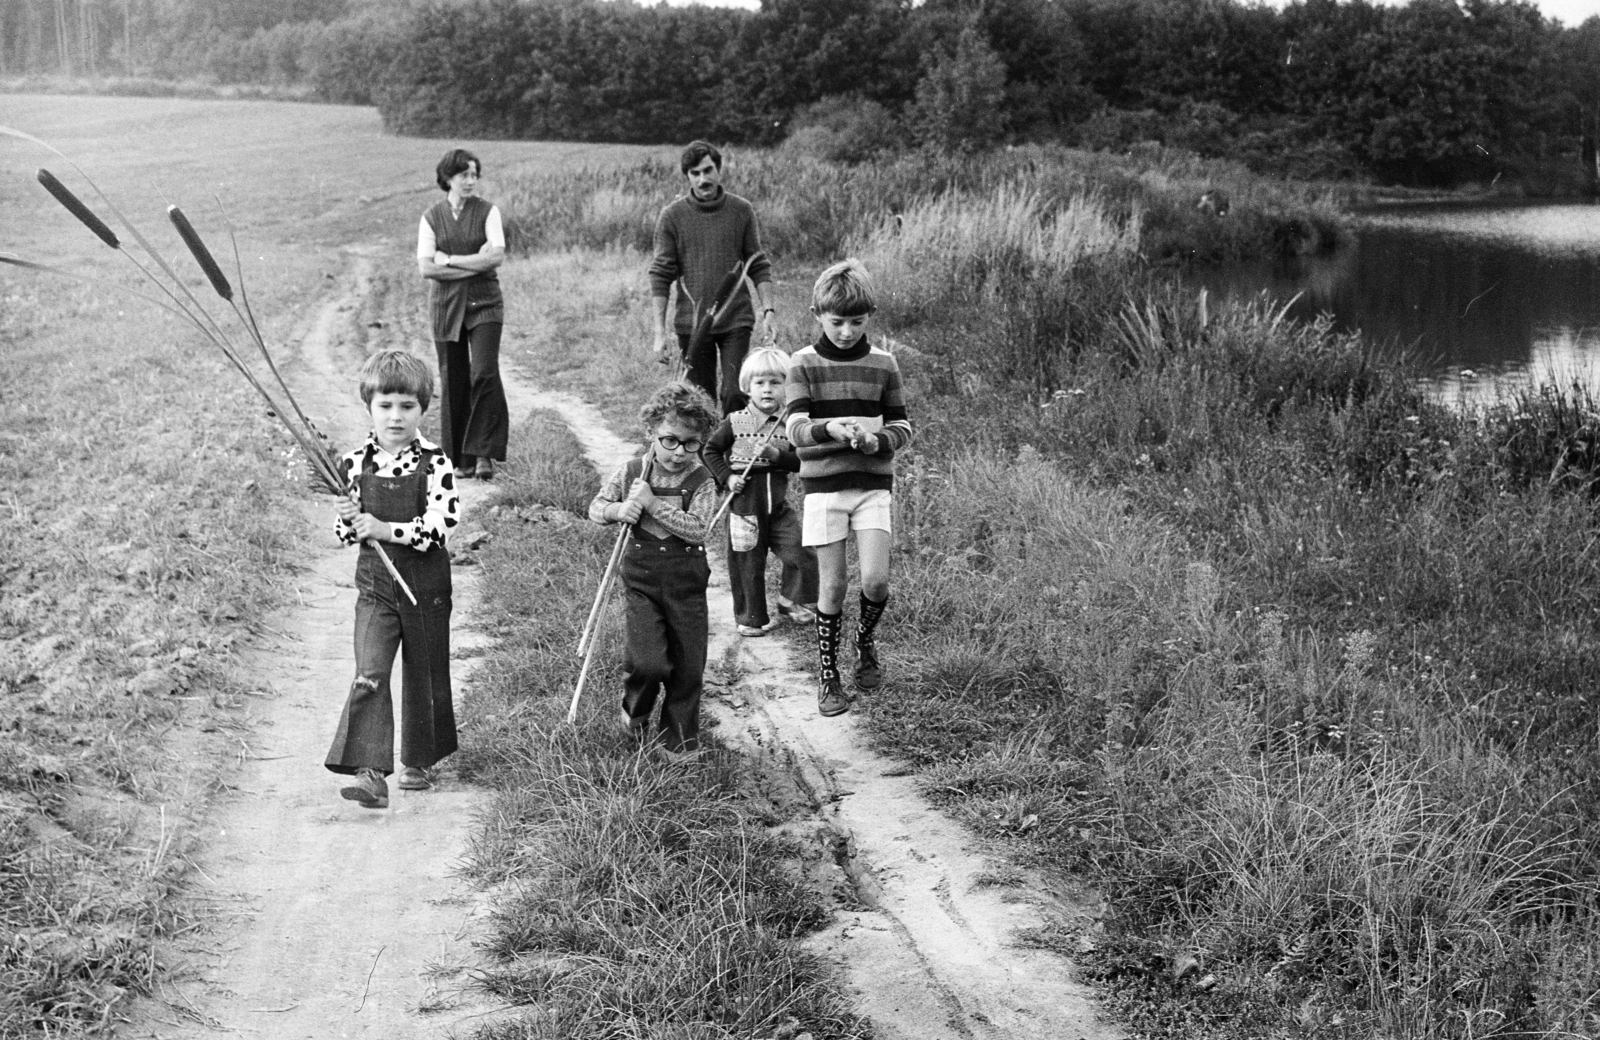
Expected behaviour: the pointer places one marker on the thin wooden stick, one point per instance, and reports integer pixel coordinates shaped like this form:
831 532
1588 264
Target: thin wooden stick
599 599
577 691
598 611
355 496
748 466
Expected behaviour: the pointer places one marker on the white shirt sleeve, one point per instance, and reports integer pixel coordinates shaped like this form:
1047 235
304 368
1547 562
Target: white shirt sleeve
492 228
426 244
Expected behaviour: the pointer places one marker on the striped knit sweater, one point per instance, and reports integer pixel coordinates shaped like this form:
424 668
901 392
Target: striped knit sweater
862 383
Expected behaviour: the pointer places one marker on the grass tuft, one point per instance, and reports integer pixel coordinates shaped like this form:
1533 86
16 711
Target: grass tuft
637 897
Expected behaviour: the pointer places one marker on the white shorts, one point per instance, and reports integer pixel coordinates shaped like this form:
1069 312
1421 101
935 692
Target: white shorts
830 516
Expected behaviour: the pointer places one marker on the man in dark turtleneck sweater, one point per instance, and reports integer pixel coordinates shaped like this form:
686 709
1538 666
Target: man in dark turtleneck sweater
699 238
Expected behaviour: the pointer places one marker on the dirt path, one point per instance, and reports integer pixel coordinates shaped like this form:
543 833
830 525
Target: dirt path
328 920
930 954
331 921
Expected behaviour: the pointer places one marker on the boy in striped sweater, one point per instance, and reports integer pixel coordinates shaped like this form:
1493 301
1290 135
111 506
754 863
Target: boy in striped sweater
847 418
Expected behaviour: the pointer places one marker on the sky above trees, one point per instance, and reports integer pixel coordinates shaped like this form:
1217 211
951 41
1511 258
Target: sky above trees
1570 12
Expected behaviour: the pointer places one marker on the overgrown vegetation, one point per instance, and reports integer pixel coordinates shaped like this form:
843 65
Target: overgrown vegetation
813 209
1429 93
1217 609
636 897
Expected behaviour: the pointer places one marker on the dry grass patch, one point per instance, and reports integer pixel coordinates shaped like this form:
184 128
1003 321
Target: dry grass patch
144 499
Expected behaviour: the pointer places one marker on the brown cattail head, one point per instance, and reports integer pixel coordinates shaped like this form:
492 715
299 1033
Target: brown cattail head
202 255
78 209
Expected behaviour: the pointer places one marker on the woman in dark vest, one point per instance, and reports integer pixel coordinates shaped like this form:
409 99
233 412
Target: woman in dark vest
460 242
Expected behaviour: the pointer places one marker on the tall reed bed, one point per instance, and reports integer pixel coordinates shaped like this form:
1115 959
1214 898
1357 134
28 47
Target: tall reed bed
810 209
636 897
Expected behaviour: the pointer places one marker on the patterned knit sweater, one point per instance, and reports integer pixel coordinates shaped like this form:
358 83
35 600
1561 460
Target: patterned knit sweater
862 383
696 244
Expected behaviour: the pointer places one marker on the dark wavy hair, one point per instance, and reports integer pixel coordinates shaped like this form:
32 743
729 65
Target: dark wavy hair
695 151
454 161
684 401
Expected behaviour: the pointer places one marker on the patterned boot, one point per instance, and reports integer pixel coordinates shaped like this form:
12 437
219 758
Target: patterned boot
869 676
830 691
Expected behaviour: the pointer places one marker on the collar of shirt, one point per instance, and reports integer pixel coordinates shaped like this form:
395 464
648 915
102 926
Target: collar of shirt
763 418
411 452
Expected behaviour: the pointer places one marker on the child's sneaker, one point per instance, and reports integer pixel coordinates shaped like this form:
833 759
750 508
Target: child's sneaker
413 778
831 700
796 612
752 631
869 675
369 788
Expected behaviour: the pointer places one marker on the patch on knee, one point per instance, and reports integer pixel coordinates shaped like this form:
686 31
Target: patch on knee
365 683
744 532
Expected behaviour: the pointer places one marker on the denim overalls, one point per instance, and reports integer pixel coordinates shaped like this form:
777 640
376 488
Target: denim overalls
385 622
665 579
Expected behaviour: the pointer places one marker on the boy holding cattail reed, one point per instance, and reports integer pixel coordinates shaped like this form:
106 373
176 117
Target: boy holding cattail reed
668 498
404 493
847 418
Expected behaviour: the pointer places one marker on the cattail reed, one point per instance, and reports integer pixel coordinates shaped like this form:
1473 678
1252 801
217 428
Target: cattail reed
182 303
76 207
201 254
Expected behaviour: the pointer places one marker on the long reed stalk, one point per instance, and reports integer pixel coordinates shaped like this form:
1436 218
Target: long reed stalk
323 466
597 613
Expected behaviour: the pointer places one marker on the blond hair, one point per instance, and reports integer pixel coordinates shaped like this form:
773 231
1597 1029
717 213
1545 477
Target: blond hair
764 361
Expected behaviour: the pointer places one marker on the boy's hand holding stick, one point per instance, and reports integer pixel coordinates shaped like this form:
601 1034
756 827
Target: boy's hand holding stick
354 510
727 502
591 629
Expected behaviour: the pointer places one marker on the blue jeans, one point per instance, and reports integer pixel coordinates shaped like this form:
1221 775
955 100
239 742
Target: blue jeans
386 622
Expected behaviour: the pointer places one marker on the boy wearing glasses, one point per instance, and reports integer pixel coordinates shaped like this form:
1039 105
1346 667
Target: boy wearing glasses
664 569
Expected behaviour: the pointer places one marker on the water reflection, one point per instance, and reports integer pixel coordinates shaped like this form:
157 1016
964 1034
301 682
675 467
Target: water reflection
1506 295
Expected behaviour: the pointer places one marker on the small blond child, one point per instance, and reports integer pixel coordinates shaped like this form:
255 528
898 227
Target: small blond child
664 569
759 517
405 496
847 418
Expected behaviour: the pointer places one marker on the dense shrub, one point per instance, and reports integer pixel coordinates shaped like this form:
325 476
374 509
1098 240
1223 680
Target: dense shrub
845 129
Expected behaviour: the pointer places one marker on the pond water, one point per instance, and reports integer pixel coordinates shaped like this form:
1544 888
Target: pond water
1487 298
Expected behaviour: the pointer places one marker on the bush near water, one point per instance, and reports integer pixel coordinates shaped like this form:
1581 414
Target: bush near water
1208 606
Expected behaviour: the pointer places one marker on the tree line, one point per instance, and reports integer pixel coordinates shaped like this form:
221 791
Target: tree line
1433 92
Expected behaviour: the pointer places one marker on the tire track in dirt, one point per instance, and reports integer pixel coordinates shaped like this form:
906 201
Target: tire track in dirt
324 919
928 952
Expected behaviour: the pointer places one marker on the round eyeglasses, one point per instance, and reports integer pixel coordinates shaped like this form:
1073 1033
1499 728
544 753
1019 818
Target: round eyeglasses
671 443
